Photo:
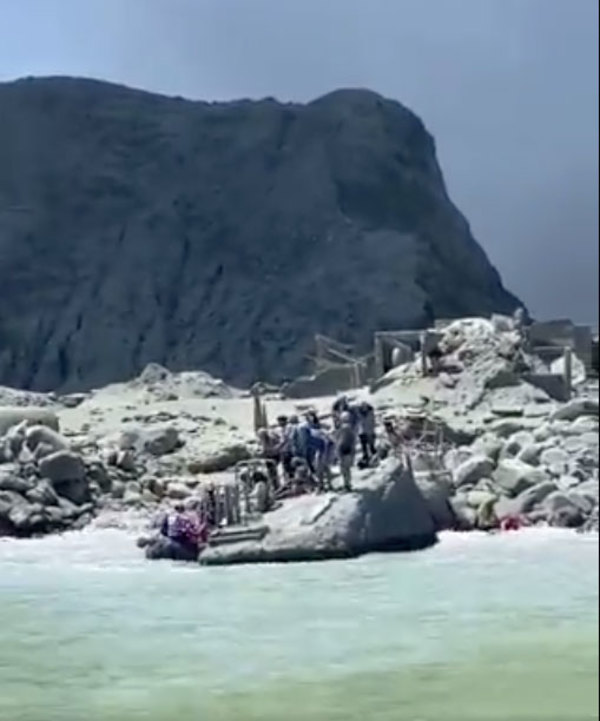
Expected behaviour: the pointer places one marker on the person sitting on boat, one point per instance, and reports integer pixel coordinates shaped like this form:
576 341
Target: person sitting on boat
185 529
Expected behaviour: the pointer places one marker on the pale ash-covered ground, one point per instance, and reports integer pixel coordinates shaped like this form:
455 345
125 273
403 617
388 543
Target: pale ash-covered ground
159 437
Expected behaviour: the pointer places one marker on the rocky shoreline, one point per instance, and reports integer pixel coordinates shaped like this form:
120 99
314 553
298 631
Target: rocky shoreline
511 449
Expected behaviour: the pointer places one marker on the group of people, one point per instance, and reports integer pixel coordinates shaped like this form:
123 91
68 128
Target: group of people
301 452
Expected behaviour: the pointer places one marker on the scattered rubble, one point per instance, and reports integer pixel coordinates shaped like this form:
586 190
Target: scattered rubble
531 454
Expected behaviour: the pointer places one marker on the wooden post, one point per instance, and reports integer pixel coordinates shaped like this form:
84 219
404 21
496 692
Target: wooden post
235 494
228 504
378 356
257 410
423 351
568 369
356 375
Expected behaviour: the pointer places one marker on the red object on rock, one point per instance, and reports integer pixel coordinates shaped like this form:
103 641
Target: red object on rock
510 523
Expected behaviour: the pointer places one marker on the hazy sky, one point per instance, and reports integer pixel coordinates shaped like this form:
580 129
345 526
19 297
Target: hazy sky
509 88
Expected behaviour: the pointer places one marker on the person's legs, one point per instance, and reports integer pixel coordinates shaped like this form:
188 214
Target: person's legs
364 446
346 470
371 444
286 463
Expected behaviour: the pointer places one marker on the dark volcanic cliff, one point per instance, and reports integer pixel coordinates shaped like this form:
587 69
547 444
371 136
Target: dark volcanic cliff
137 228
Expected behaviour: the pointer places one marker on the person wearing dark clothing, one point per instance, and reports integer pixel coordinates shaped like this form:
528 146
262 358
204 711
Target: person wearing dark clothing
435 360
366 432
346 447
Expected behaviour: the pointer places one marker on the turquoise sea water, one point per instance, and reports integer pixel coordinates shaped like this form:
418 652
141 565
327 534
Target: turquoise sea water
478 628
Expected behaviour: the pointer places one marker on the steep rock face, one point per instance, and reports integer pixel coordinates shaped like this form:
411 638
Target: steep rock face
138 228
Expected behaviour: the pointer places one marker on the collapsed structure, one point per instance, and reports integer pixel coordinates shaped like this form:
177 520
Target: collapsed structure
557 345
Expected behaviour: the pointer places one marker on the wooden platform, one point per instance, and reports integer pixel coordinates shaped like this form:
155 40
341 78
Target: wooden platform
237 534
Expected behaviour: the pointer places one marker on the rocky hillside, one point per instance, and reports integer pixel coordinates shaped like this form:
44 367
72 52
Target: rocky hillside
138 228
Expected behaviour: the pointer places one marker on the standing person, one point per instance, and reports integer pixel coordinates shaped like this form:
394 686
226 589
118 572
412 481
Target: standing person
366 432
307 442
284 447
324 458
294 437
345 447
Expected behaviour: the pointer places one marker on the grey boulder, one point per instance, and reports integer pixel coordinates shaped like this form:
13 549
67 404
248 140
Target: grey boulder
465 515
67 472
63 466
437 492
27 518
531 453
11 480
515 443
488 445
160 441
40 434
556 461
473 470
526 501
563 510
576 408
43 493
223 460
514 476
11 416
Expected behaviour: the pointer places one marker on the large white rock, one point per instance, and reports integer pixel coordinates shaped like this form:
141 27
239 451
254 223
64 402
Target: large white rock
542 433
516 442
589 488
514 476
478 496
473 470
531 453
455 456
162 440
11 416
34 435
563 510
576 408
178 490
489 445
556 459
385 512
525 501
